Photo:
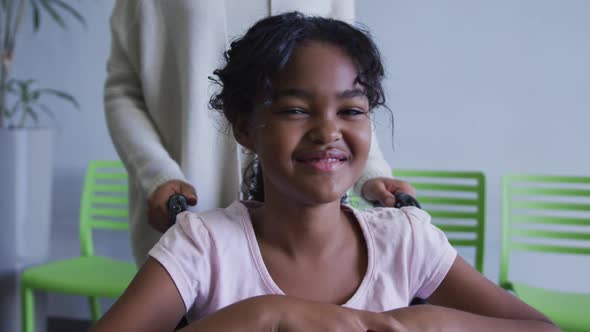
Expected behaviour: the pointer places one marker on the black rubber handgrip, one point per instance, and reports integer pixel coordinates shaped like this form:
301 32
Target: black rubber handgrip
176 204
403 199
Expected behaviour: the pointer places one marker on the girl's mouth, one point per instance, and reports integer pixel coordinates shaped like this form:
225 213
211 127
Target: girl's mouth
324 161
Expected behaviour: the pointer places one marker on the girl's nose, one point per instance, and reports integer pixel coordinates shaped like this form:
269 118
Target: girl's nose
325 131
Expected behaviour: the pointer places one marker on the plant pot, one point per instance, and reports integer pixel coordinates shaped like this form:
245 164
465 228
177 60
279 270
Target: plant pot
26 174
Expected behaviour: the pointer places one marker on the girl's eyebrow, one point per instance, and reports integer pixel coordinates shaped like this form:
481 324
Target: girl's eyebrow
352 93
299 93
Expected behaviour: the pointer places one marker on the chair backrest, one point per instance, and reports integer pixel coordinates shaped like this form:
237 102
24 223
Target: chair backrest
104 203
456 202
544 214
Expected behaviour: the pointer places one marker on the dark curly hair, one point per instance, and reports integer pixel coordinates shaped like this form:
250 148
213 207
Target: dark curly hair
266 48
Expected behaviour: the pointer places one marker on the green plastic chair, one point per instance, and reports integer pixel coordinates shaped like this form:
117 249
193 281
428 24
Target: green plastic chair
530 203
103 206
456 202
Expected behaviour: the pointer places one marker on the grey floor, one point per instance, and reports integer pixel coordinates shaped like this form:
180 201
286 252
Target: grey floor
57 324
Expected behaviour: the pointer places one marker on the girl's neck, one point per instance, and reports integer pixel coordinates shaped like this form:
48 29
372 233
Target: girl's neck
301 230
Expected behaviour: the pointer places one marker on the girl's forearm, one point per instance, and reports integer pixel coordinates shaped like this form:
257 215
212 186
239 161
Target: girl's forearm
253 314
437 318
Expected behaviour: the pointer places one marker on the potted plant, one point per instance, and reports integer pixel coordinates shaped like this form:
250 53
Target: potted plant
26 141
26 149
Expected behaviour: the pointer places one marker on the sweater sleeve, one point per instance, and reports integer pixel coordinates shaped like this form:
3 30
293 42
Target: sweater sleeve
376 166
132 130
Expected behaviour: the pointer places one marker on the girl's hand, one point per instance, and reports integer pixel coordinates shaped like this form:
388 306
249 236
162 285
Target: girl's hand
298 315
382 189
279 313
158 202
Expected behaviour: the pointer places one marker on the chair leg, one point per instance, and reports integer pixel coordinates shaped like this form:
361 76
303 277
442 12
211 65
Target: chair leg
95 311
27 309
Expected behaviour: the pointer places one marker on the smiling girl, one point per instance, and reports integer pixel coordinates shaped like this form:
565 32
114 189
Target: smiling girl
298 92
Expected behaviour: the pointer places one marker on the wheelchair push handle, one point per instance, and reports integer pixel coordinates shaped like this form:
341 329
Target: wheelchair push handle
403 199
176 203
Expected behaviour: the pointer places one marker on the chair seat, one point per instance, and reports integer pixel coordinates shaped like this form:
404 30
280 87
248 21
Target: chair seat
90 276
570 311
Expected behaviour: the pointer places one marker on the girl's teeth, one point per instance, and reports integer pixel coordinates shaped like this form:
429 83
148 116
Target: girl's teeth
331 160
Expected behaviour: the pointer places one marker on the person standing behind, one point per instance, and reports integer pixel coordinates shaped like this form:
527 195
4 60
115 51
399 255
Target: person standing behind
156 96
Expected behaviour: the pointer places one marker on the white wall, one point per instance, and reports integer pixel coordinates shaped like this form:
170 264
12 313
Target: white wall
498 86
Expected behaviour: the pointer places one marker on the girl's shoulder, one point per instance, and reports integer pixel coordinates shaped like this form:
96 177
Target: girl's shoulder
394 217
408 226
210 223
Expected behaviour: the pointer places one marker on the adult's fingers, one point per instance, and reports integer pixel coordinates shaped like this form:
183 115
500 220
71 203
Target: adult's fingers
385 197
380 192
396 185
189 192
376 190
158 219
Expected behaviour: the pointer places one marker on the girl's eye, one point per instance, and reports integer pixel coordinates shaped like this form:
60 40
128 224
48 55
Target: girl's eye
352 112
294 111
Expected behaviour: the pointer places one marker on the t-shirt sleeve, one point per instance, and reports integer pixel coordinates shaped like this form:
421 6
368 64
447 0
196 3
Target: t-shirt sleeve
431 256
185 252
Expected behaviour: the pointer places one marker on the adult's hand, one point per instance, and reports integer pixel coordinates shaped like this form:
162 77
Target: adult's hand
382 190
158 202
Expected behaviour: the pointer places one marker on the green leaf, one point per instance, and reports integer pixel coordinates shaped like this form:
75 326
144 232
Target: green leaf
47 111
24 91
56 17
70 10
27 102
32 113
35 95
62 95
22 82
36 15
13 109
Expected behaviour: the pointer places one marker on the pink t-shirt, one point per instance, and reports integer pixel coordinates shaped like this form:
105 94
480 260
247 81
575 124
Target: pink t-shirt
214 259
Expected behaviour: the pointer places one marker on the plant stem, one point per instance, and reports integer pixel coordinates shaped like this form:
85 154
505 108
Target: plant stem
3 78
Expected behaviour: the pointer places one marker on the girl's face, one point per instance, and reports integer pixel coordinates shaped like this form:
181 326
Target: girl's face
313 137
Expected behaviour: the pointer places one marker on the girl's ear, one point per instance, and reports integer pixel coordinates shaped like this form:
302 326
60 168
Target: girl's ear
242 129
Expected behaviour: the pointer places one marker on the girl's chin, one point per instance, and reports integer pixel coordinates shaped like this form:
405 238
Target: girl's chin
312 191
320 198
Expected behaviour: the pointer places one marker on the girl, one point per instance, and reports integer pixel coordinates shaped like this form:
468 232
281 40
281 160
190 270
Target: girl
298 92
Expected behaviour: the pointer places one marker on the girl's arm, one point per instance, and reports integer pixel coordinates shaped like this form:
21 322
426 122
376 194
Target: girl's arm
289 314
467 301
150 303
153 303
